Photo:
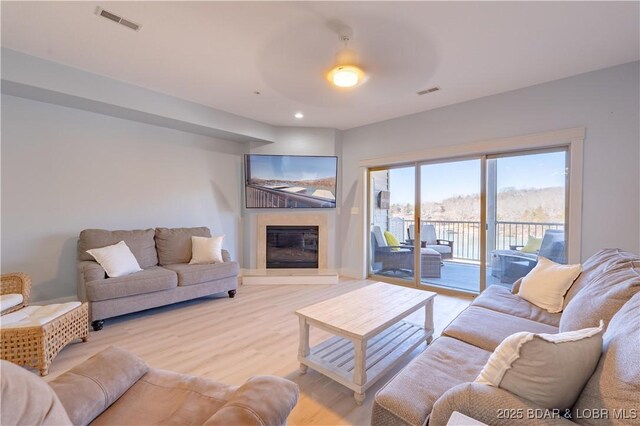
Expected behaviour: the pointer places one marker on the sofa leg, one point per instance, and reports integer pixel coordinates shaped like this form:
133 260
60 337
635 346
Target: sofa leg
97 325
232 293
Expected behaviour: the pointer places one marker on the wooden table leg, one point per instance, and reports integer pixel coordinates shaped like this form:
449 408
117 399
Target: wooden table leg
360 368
428 319
303 349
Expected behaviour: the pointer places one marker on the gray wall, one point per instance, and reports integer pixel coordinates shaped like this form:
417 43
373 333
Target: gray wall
64 170
606 102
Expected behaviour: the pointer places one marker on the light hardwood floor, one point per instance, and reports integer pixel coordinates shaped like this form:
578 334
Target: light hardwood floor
230 340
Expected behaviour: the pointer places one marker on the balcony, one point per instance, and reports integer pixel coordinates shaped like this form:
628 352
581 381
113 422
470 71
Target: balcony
462 271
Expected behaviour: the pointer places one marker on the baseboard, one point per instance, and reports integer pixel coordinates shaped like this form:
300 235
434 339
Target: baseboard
289 277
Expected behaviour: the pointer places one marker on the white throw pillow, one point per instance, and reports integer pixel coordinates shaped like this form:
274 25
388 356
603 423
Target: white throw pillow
547 369
206 250
117 260
547 283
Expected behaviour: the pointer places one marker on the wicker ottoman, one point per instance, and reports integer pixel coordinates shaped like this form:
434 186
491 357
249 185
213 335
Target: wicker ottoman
33 336
430 263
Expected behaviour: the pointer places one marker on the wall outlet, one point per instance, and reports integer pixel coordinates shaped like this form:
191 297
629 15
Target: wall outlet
355 210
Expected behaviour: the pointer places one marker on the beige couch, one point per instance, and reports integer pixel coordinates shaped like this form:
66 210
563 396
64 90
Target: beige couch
115 387
167 277
440 380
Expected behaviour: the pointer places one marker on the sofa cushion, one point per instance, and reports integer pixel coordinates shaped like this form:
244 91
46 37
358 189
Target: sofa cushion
140 242
27 399
486 329
596 265
410 395
198 274
615 384
500 299
174 244
601 298
91 387
167 398
146 281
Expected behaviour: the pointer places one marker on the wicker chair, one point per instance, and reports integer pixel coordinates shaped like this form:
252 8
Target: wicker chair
36 345
16 283
391 258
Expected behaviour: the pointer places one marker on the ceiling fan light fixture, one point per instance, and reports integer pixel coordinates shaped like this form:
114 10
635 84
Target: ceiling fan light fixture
346 75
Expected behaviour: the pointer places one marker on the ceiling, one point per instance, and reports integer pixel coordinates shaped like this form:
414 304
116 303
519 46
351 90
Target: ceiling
219 53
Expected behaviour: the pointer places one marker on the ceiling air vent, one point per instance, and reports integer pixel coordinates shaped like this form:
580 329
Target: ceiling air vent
430 90
120 20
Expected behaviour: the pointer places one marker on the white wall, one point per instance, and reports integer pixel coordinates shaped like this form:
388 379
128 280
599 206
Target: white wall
64 170
296 141
606 102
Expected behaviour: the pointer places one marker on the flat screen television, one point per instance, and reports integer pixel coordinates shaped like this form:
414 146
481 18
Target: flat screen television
290 181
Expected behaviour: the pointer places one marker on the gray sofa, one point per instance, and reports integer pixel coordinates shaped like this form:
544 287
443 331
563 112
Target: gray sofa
167 277
440 380
115 387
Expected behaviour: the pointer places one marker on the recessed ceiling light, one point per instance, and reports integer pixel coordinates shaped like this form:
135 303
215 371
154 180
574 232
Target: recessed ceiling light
298 115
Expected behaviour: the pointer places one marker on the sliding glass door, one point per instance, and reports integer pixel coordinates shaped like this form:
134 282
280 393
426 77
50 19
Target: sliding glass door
464 224
391 210
526 205
450 209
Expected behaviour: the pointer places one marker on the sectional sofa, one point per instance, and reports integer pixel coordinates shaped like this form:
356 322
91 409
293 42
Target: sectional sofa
440 380
167 277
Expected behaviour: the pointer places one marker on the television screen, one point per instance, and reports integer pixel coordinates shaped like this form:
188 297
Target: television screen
290 181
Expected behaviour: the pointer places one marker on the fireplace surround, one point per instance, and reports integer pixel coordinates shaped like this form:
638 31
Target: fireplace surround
261 275
276 219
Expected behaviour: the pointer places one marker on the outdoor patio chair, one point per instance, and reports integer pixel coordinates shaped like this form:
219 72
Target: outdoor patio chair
513 264
389 258
429 239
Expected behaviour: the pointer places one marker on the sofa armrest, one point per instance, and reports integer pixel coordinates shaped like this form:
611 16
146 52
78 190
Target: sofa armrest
91 387
442 242
262 400
493 406
226 257
88 270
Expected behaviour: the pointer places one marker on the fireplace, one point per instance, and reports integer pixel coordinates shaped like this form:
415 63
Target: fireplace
292 247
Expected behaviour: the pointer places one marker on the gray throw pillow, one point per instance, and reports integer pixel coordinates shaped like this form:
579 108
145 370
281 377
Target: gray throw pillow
547 369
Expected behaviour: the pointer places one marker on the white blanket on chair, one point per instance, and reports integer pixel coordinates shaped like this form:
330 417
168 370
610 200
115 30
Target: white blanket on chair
33 316
10 300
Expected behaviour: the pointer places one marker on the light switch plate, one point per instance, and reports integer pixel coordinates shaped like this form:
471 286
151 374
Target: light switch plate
355 210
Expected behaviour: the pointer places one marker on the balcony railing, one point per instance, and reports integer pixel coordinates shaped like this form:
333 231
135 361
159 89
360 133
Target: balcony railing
466 234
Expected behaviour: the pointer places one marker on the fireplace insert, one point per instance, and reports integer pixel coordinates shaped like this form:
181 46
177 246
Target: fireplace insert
292 246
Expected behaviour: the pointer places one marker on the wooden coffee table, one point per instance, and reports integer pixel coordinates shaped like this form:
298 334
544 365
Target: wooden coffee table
370 334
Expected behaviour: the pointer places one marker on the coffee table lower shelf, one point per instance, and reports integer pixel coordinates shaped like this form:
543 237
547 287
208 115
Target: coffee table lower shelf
335 357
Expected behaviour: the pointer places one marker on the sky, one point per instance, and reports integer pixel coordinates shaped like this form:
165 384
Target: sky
445 180
289 167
